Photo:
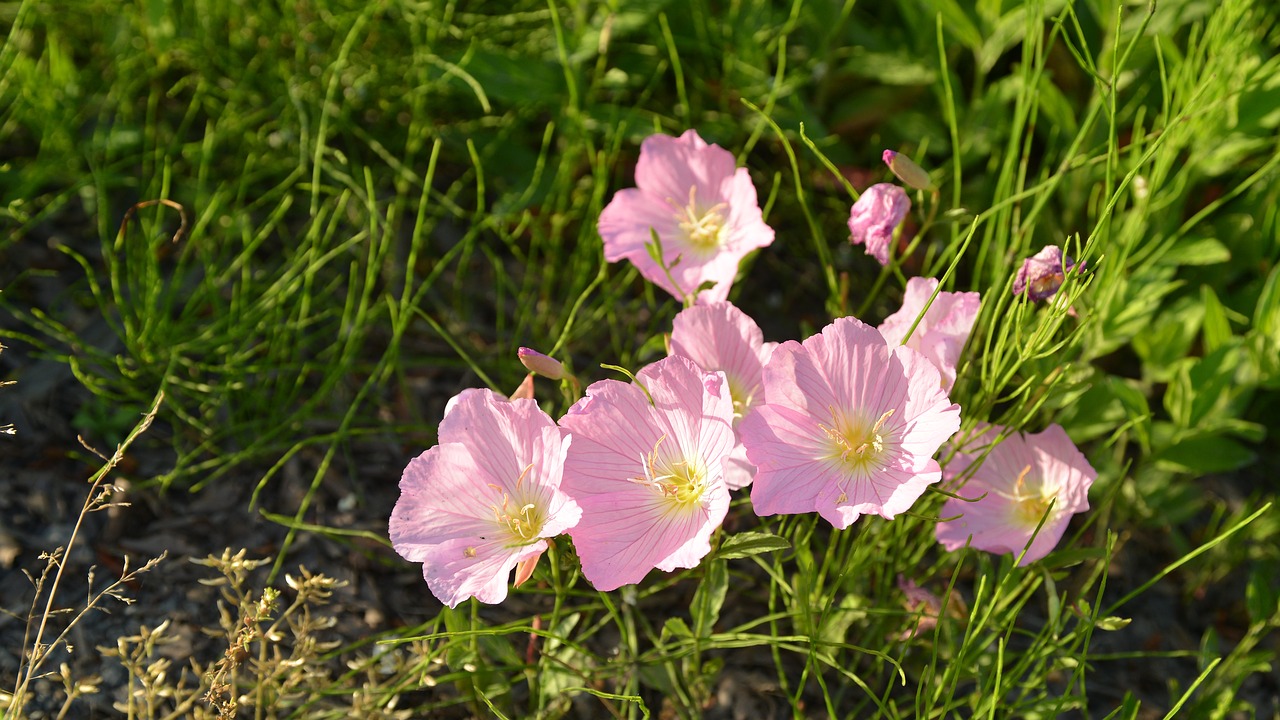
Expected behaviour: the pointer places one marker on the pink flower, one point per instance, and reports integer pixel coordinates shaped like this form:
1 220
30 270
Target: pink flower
701 205
721 337
1042 274
848 427
874 217
942 331
648 475
1022 476
482 501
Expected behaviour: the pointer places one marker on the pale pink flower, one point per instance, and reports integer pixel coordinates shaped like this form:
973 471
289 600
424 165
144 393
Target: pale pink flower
849 426
1023 478
703 208
721 337
1042 274
875 216
482 501
649 476
942 332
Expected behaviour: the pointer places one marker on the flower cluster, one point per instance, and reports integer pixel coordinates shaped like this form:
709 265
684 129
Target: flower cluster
845 423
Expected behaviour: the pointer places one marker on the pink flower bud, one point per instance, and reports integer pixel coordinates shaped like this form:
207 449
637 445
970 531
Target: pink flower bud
541 364
907 171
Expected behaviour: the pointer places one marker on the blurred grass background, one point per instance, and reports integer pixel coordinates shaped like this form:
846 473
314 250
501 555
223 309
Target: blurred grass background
380 201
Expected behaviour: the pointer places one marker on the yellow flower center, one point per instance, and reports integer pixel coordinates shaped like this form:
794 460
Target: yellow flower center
703 226
682 481
522 520
1030 503
856 442
742 401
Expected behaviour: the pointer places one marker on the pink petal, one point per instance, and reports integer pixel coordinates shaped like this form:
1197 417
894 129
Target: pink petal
669 166
738 470
846 373
680 178
719 336
782 443
495 459
627 225
943 331
1049 466
628 528
875 216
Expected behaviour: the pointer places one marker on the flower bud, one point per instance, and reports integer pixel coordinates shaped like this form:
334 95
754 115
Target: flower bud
541 364
875 216
907 171
1042 274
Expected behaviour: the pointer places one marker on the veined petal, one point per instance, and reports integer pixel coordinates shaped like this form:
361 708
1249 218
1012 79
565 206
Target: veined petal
848 427
669 166
1022 479
628 222
703 208
649 477
455 571
474 506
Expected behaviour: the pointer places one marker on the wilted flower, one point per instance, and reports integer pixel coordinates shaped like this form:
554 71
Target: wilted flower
918 600
906 170
849 426
648 475
719 336
543 365
1042 274
703 209
875 216
942 332
480 503
1024 478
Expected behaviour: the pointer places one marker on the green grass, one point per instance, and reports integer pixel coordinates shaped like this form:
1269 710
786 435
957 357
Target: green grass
378 196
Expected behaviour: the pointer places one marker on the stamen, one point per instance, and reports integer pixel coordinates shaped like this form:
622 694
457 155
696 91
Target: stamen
682 481
704 228
1031 504
524 523
1020 483
857 444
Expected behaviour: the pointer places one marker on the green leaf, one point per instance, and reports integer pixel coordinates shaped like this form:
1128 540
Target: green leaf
1167 339
676 628
1261 597
628 17
707 601
1266 315
890 68
1222 386
1112 623
1217 328
837 620
516 79
956 22
1205 454
1105 406
750 543
1196 251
